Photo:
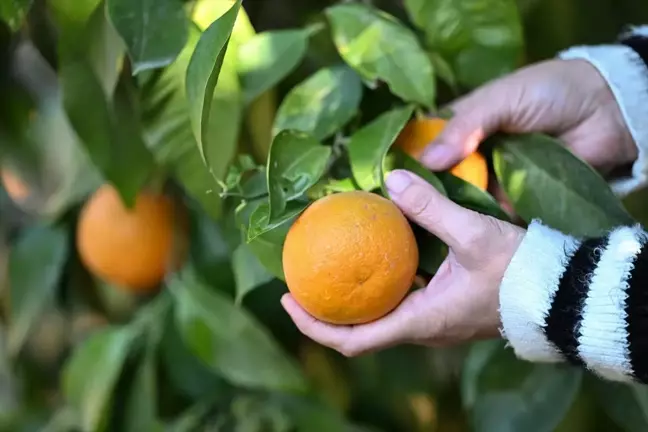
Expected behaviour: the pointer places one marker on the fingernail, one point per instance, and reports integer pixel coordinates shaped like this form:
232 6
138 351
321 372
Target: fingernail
397 181
436 155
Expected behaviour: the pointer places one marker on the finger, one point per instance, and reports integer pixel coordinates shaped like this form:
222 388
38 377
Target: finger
456 226
396 327
476 116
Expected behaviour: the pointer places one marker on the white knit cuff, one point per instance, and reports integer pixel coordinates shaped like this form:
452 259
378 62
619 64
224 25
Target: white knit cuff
528 288
627 76
566 299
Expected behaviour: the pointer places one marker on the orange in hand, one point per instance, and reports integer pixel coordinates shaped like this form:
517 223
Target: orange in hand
131 248
419 133
350 258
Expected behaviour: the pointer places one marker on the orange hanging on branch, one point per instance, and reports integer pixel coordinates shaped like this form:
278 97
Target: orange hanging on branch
419 133
131 248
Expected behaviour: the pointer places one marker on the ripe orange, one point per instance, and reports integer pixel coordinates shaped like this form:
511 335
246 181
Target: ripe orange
350 258
129 248
418 133
17 190
473 169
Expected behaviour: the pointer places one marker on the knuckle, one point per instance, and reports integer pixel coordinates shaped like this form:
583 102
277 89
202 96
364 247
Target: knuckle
479 235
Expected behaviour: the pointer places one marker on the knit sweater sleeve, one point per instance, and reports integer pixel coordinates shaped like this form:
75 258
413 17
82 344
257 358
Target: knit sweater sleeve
625 68
584 301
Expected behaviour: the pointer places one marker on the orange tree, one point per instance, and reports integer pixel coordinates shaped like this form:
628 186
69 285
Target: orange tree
187 101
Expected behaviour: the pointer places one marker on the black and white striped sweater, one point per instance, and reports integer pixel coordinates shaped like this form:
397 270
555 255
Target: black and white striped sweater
586 300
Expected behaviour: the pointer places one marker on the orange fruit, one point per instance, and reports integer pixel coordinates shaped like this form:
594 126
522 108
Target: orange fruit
131 248
473 169
17 190
350 258
418 133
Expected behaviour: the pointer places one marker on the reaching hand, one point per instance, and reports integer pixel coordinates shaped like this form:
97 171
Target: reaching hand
461 301
565 98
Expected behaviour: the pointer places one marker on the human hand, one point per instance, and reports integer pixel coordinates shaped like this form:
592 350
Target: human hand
568 99
461 301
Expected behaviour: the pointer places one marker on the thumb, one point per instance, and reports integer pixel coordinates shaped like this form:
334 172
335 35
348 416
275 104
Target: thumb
461 229
476 116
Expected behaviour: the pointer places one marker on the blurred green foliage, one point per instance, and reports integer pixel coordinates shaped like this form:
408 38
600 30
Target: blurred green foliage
246 112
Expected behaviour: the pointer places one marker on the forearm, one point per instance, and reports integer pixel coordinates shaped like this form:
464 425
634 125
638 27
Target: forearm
625 68
585 302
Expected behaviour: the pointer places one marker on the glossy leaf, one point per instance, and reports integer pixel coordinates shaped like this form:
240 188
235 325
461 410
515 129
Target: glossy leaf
35 266
470 196
261 222
268 57
380 48
321 104
13 12
532 167
169 135
229 341
369 145
203 73
155 31
483 39
512 395
248 271
110 132
626 404
92 372
268 246
296 162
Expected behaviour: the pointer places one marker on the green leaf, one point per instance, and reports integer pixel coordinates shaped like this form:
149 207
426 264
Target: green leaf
105 50
296 162
35 266
187 374
380 48
203 73
168 132
191 419
532 167
13 12
636 204
369 145
261 223
402 160
625 403
444 70
268 246
321 104
72 17
470 196
268 57
483 39
248 271
229 340
141 403
91 374
510 395
155 31
110 132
